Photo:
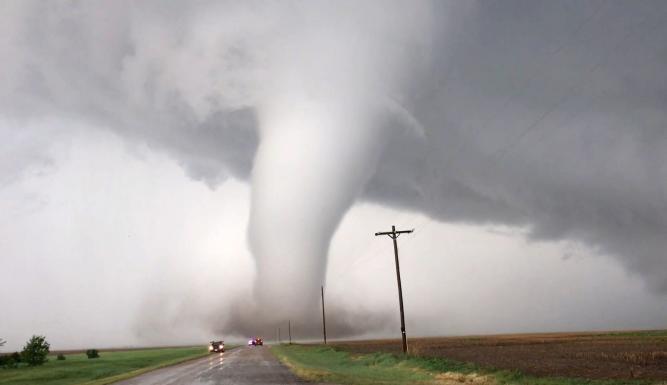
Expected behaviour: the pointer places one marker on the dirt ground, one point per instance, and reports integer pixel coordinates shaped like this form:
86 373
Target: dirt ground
609 355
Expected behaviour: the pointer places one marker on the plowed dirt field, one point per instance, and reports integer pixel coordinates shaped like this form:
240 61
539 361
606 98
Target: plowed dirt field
622 355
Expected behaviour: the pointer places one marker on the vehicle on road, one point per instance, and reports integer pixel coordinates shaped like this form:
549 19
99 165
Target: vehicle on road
216 347
256 341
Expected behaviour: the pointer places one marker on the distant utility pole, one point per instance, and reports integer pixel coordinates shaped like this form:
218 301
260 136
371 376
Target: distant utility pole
289 330
278 336
324 318
393 234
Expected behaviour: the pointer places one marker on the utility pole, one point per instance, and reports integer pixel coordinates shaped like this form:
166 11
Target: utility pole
393 234
278 336
324 318
289 328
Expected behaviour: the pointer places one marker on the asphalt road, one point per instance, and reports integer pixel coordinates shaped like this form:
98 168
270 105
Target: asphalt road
240 366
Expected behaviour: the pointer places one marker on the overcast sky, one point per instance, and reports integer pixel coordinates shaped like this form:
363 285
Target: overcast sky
170 173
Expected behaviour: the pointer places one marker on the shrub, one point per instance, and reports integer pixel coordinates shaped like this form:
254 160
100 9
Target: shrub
9 361
92 353
61 357
16 356
35 351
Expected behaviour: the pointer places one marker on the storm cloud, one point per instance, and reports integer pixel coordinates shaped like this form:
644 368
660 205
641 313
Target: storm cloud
549 116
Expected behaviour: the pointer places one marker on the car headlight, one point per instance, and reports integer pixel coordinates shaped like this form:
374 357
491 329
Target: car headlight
210 348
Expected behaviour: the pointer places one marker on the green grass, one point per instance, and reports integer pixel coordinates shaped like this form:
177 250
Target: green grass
110 367
325 364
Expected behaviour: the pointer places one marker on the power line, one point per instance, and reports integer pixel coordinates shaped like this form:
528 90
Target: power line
502 151
368 256
520 91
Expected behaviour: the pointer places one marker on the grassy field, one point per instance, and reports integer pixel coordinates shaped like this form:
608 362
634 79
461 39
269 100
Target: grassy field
111 366
323 364
326 364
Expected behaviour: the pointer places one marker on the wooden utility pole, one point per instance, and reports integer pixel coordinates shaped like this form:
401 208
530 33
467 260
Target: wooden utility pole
289 330
393 234
324 318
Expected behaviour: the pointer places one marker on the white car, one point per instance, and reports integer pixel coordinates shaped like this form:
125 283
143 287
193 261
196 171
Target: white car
216 347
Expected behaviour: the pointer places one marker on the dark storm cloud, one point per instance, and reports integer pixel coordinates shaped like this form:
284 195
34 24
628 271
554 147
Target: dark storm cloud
105 63
549 115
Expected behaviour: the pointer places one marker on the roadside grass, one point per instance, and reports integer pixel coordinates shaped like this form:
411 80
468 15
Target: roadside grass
112 366
325 364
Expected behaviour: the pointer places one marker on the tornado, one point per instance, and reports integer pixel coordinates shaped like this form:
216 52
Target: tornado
307 173
322 116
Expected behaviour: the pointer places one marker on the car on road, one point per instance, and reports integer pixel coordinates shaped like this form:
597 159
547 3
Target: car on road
216 347
255 342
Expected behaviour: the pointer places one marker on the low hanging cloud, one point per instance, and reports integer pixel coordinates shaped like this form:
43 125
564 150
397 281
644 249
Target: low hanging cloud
548 115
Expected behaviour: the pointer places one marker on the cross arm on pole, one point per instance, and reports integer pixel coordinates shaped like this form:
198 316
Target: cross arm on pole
393 234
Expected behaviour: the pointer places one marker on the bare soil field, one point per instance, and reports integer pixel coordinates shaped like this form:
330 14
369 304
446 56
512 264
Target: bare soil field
609 355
